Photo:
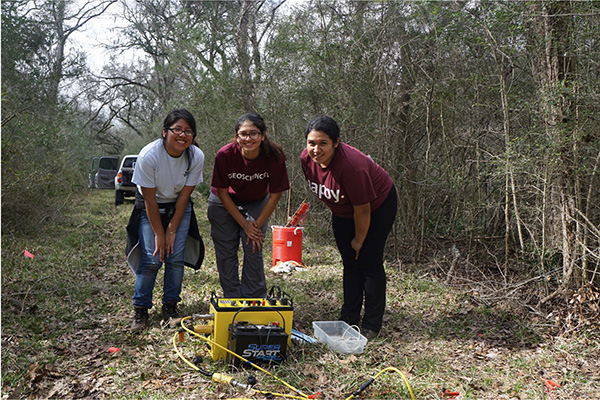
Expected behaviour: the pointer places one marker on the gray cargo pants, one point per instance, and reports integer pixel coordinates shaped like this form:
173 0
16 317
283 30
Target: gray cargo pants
226 235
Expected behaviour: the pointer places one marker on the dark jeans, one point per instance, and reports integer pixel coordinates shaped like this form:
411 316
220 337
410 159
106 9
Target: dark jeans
150 264
365 278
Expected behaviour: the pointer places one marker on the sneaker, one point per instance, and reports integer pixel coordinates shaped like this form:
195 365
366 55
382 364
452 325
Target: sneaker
171 314
140 319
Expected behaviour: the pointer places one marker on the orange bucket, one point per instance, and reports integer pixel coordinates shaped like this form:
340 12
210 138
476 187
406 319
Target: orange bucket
287 244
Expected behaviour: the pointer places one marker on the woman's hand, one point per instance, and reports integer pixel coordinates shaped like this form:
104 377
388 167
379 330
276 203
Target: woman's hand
159 246
356 245
180 206
169 243
250 226
154 217
254 234
362 221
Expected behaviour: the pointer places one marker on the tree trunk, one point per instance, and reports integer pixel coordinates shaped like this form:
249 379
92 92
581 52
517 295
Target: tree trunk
244 59
58 13
553 65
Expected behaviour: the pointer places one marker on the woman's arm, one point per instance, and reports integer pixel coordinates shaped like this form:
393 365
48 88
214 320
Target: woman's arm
154 218
362 221
182 201
268 210
251 228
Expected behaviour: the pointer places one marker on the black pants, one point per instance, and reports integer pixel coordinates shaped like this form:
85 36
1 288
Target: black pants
365 278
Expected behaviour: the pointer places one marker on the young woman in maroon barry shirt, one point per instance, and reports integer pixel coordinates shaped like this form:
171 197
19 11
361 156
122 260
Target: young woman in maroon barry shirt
362 198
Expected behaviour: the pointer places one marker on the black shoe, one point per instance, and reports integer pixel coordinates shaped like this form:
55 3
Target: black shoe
369 334
140 319
171 314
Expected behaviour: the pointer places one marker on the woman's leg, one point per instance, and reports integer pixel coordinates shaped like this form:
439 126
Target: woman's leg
226 238
253 284
149 265
174 263
353 280
371 261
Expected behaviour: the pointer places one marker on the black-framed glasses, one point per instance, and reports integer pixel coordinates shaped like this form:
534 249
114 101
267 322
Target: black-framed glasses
246 135
179 131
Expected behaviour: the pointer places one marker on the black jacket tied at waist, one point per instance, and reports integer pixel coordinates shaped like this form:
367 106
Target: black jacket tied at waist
194 245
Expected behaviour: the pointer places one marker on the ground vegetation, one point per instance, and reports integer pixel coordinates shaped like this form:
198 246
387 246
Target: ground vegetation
65 308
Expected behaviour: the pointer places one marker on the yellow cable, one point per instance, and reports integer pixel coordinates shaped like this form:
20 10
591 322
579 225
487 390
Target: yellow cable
377 376
181 355
304 396
253 389
243 359
412 395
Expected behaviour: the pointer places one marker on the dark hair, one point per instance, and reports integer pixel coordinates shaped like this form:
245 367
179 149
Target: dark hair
174 116
326 125
177 114
267 146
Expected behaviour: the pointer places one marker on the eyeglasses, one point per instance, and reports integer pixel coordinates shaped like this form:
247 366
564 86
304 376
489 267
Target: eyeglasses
179 131
246 135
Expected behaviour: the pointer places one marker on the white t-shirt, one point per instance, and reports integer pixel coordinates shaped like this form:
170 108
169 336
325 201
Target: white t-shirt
155 168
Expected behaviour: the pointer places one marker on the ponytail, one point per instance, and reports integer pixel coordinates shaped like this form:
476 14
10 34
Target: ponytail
272 149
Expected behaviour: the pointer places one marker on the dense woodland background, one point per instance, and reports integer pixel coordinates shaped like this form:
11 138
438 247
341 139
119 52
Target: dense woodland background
485 113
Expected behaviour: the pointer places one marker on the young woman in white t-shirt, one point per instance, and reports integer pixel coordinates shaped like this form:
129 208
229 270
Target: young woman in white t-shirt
166 173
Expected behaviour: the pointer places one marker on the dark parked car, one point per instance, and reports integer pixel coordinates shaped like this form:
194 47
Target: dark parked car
102 172
124 187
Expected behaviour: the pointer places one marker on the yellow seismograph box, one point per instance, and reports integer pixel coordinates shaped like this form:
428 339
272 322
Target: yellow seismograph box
273 312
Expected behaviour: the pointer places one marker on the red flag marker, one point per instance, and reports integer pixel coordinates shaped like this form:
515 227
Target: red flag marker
28 254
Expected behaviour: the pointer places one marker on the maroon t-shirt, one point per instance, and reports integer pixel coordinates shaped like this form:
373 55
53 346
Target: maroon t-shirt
351 178
248 180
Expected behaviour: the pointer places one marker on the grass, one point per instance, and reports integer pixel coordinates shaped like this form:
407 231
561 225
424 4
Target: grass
62 310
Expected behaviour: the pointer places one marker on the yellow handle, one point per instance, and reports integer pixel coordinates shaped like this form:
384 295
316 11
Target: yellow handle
221 378
203 328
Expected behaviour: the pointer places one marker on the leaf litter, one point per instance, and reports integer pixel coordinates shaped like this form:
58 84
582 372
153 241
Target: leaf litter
439 340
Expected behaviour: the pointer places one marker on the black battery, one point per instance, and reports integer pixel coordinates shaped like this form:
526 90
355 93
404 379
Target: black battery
260 344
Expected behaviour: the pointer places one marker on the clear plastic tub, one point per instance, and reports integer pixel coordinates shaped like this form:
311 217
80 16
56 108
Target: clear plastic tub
339 336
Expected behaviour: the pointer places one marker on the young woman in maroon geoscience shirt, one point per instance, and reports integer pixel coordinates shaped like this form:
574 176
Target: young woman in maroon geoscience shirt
248 179
362 198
